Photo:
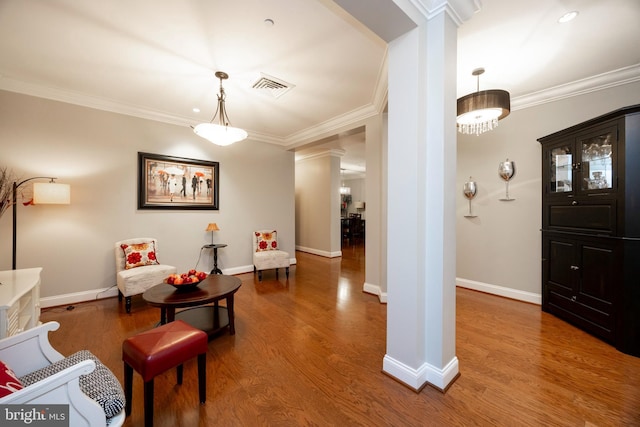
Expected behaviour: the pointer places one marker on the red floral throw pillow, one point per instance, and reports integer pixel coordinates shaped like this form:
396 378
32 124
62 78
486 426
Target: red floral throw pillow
139 254
267 241
9 383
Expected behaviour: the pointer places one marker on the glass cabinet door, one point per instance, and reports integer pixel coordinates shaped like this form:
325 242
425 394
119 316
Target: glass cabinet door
561 169
596 163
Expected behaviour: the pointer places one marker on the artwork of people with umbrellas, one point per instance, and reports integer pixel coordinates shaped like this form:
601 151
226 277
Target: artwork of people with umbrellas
170 182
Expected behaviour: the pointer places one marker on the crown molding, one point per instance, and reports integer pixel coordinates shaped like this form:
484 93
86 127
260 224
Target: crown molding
591 84
421 11
328 152
337 124
84 100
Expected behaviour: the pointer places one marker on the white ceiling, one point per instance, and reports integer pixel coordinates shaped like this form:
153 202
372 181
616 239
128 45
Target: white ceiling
156 59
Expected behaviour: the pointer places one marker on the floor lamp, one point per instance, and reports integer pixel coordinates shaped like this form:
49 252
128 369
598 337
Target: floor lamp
43 194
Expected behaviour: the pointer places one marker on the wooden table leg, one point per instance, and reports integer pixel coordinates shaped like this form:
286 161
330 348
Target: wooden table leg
232 326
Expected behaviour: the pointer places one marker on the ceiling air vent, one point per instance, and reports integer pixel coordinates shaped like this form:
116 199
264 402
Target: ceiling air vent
272 86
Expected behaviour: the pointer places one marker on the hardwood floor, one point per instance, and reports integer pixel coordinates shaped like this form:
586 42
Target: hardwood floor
309 352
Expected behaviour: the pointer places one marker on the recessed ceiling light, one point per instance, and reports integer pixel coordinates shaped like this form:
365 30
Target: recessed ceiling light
196 110
569 16
268 22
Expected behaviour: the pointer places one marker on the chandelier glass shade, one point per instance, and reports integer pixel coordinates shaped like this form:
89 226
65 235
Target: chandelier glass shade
220 133
480 111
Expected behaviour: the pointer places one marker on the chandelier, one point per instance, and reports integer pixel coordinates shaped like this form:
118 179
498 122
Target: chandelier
344 190
480 111
220 133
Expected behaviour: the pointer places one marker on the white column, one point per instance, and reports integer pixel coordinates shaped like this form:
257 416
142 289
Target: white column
375 189
421 205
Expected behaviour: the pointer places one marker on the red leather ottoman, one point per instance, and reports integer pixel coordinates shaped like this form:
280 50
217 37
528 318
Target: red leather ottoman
155 351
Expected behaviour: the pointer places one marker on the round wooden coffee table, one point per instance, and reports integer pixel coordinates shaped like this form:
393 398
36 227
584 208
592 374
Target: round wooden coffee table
209 318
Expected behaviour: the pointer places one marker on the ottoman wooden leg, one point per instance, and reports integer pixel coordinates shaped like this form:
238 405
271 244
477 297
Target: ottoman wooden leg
148 403
128 388
202 377
179 374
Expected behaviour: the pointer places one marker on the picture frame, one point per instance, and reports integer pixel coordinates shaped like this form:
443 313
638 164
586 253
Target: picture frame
168 182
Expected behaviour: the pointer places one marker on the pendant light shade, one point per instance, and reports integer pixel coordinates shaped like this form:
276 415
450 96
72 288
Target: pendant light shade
220 133
480 111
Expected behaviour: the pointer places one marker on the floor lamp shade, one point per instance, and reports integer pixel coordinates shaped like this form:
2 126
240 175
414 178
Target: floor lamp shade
51 193
43 194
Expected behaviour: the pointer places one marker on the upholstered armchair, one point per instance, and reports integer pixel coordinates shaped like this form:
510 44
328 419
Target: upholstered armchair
267 255
138 268
32 372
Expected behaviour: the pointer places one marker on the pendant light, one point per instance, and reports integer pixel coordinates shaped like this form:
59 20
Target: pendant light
220 133
344 190
480 111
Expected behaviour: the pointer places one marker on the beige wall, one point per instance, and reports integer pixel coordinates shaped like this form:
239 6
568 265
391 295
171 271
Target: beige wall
96 152
500 250
318 204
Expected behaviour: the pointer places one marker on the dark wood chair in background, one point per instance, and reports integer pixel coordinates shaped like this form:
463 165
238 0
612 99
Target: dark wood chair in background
356 228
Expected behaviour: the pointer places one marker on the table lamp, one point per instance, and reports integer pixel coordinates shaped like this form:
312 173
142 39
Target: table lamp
212 227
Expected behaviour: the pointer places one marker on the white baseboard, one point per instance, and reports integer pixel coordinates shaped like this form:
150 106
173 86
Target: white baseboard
416 379
319 252
94 294
502 291
77 297
375 290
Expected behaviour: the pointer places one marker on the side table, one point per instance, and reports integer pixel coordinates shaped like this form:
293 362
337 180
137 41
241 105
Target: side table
215 248
209 318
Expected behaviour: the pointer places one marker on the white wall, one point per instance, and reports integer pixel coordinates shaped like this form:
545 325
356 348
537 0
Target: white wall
500 250
96 153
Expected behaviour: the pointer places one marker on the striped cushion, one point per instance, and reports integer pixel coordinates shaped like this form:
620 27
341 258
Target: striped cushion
100 385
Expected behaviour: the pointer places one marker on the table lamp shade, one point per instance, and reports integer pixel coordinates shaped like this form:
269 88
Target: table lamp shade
212 227
358 205
51 193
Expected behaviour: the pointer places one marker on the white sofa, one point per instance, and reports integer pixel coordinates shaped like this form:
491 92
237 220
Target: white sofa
266 253
134 281
30 355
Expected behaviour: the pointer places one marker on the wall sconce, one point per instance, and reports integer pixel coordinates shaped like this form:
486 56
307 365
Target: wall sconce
470 189
507 170
43 194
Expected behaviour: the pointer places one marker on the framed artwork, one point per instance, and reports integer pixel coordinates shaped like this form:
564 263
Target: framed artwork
166 182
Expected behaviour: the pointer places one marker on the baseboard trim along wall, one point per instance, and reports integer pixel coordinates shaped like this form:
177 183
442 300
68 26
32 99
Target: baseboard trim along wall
319 252
416 379
95 294
375 290
77 297
502 291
